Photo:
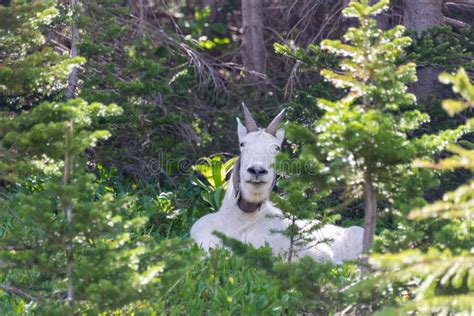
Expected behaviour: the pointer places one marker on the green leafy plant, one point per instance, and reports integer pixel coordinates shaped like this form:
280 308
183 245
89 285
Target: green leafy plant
226 283
204 32
314 286
215 173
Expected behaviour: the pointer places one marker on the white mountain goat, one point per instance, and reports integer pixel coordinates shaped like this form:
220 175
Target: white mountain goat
248 216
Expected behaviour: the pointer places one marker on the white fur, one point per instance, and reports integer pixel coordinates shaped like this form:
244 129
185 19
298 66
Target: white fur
257 149
258 228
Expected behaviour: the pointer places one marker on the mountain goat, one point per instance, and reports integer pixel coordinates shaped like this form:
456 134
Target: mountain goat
248 216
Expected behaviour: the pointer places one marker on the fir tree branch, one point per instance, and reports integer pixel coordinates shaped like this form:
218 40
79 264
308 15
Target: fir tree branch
16 248
17 291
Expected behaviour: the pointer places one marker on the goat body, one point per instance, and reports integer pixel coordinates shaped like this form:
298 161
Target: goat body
248 216
262 226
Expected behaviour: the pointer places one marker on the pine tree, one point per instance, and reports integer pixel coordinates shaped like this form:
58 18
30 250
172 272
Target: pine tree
301 208
51 265
30 68
367 140
42 254
443 281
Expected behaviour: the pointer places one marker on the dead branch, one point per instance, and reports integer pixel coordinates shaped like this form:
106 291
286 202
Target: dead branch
204 68
468 6
454 22
467 2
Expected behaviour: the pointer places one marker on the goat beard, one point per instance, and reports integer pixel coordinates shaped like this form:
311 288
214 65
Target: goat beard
255 193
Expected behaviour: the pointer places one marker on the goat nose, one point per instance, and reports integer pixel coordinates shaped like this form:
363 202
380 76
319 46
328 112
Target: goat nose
257 171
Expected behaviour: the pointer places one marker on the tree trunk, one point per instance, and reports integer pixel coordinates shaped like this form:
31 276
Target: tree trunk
428 84
69 216
254 56
72 80
370 208
382 19
68 162
422 14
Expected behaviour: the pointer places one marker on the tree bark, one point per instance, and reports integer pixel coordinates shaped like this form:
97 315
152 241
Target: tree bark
254 55
382 19
68 161
72 80
370 208
422 14
428 84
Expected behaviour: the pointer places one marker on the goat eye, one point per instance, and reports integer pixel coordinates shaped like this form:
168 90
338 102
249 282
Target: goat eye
242 144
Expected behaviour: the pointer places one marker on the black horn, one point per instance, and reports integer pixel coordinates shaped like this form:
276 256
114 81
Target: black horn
272 127
250 123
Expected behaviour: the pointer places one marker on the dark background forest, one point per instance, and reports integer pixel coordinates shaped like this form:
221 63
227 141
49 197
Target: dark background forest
108 108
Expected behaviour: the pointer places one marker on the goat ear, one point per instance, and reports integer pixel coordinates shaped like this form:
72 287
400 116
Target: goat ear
280 135
241 130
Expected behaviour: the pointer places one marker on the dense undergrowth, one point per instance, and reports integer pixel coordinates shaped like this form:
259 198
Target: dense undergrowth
132 175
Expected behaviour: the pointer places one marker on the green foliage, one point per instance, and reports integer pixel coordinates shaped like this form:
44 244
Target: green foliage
313 286
23 23
462 86
204 32
366 140
311 59
215 173
151 80
110 269
114 264
440 45
300 108
29 69
443 281
129 234
225 284
299 203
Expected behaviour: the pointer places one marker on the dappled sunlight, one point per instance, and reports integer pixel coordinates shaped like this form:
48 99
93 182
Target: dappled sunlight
133 182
